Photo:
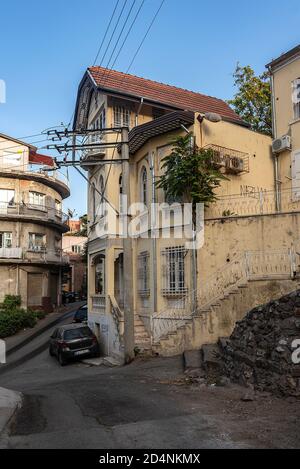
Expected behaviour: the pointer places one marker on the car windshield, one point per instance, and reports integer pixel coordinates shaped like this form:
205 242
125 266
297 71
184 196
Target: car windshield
77 333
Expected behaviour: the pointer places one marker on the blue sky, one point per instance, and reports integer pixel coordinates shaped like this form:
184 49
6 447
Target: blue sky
46 46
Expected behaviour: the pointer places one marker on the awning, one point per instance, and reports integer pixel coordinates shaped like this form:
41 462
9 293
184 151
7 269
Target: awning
36 158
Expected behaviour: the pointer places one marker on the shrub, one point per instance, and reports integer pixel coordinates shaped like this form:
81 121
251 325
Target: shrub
15 320
11 302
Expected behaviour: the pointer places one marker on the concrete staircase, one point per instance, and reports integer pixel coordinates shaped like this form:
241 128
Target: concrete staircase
141 337
250 279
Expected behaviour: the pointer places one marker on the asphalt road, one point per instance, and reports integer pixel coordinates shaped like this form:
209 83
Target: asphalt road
144 405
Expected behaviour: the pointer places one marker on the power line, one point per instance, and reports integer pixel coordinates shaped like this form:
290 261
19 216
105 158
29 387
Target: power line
107 29
120 34
126 37
113 33
145 36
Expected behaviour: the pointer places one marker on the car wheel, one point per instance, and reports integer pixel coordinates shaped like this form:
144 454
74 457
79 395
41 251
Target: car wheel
61 360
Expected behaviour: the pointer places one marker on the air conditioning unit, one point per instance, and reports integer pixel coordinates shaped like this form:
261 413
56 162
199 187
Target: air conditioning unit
235 165
281 144
218 159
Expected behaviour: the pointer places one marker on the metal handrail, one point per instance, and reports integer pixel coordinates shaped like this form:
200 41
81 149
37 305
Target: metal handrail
23 209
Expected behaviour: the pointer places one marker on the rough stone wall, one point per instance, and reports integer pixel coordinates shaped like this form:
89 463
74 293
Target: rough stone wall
262 350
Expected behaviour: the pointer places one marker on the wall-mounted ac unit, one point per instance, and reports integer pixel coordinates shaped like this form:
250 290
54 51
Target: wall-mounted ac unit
235 165
281 144
219 159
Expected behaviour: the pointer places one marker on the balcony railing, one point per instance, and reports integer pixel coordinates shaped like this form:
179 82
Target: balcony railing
254 203
55 176
41 212
35 254
11 253
98 304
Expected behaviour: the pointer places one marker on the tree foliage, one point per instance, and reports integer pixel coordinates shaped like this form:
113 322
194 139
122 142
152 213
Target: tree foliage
189 173
252 102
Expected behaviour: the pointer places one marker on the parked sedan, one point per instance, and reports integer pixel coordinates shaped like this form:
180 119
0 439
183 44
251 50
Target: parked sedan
73 341
81 315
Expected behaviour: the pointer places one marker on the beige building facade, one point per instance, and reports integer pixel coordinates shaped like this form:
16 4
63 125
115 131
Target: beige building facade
250 243
31 225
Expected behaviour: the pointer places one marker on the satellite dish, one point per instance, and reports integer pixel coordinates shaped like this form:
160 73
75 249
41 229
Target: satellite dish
212 117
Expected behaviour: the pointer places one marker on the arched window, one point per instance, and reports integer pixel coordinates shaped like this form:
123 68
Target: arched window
121 193
102 200
144 186
99 264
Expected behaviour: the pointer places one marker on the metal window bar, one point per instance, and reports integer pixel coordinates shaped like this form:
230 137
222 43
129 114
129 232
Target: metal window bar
143 274
174 282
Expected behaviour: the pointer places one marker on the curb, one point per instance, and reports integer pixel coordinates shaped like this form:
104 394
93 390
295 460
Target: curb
10 402
36 351
43 329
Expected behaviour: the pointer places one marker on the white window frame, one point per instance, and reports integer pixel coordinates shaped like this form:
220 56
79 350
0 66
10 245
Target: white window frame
6 239
296 98
37 200
121 116
7 197
34 243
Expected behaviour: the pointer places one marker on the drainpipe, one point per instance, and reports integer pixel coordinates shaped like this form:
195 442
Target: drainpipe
138 112
154 243
274 127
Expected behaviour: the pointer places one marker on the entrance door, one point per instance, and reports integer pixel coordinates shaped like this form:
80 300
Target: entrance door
34 289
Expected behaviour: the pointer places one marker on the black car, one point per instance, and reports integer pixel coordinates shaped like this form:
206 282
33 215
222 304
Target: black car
81 315
68 297
73 341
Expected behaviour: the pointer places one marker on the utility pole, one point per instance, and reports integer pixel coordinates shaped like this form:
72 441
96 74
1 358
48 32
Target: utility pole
127 246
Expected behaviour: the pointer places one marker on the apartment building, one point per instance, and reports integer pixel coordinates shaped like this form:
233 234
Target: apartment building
31 225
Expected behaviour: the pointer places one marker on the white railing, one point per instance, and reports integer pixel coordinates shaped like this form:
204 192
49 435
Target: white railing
98 304
253 203
248 266
11 253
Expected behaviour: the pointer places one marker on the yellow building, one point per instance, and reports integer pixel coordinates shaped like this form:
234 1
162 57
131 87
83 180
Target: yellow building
249 247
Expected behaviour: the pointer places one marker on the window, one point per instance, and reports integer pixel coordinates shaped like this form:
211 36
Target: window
5 239
296 98
58 207
76 249
121 116
174 270
144 186
36 198
99 275
102 204
7 197
143 274
121 194
37 242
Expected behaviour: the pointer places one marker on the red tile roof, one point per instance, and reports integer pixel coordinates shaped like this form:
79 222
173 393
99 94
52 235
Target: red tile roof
111 80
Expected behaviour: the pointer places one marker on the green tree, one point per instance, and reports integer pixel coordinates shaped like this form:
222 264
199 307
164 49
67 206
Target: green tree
189 173
252 102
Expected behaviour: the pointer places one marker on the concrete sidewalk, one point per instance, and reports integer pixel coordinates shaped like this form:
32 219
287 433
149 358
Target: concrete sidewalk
17 341
10 401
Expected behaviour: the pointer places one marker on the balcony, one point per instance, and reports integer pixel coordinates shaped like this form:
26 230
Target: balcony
32 212
34 255
11 253
54 179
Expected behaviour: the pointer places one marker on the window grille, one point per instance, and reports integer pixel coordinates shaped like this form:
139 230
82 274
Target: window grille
143 274
174 275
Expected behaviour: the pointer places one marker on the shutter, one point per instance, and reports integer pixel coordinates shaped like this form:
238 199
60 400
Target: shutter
296 174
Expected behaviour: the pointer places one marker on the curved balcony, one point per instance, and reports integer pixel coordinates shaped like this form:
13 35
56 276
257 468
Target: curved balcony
34 213
37 255
56 180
